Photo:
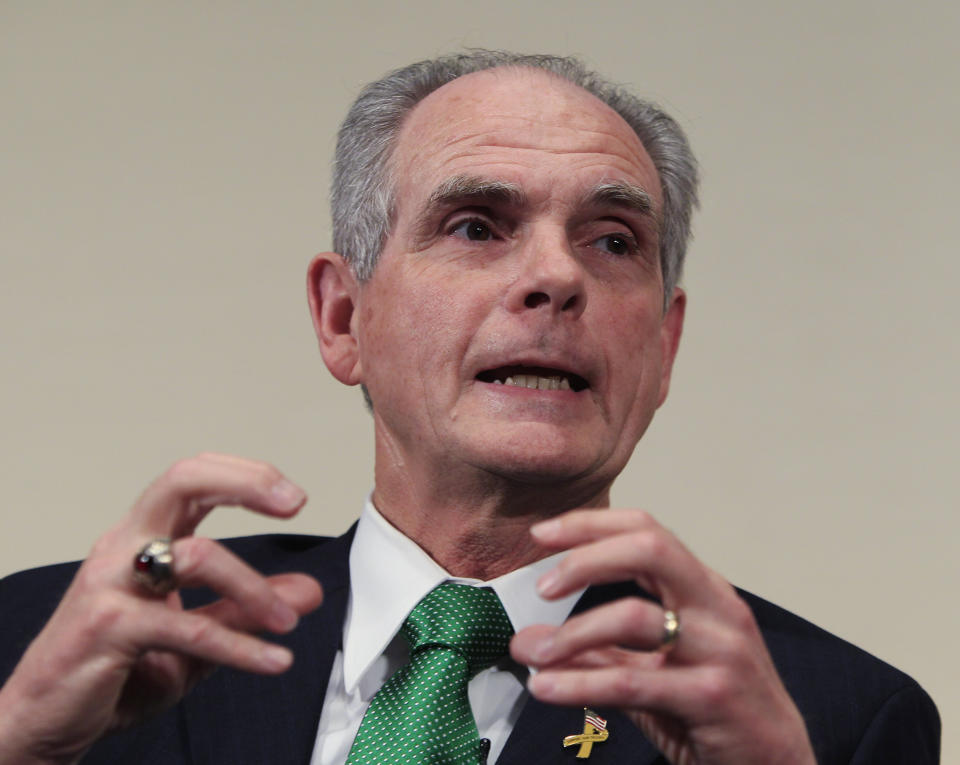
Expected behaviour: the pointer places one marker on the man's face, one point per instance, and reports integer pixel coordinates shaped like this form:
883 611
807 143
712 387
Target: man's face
514 322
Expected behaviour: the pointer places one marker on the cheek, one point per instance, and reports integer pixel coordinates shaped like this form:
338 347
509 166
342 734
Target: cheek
428 338
637 360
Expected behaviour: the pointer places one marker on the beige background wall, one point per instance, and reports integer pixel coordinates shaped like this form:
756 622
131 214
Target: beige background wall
163 183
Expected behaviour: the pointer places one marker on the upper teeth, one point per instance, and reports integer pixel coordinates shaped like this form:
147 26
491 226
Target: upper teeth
556 382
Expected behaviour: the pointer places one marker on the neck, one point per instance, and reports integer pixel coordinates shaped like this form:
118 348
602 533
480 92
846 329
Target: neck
471 522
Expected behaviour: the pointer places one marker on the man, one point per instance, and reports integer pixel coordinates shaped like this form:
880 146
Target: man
512 230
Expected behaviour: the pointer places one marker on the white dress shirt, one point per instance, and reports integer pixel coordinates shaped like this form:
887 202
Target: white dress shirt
389 575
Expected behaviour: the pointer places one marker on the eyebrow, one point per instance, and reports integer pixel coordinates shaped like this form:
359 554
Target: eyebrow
467 187
463 189
620 194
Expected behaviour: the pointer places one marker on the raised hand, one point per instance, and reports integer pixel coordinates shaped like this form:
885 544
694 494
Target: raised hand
711 696
114 652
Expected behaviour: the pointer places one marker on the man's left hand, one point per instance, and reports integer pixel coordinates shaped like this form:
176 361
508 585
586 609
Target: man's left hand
714 697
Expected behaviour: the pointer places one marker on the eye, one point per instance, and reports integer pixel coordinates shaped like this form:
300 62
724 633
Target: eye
473 229
615 244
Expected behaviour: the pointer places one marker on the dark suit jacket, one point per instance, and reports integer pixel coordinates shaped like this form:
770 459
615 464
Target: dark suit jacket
858 709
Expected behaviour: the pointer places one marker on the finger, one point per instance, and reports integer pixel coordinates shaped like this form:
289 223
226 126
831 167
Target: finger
651 557
201 562
179 671
178 500
526 641
577 527
682 692
198 636
626 623
300 592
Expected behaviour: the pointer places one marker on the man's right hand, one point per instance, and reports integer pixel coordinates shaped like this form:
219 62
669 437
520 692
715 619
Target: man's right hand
112 654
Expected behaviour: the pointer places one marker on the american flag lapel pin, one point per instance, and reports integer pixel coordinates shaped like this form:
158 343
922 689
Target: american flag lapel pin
594 731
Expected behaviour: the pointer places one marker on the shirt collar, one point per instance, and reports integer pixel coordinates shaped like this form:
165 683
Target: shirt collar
390 574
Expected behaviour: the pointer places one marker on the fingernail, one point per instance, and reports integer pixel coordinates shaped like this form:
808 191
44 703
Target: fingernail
283 618
287 495
276 657
545 529
547 583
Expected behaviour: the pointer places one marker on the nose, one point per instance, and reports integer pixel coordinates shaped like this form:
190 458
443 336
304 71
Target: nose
550 278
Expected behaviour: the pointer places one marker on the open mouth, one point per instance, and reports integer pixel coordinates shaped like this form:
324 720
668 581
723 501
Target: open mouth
541 378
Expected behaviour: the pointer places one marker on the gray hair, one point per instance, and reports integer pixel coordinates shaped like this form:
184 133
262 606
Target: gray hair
362 193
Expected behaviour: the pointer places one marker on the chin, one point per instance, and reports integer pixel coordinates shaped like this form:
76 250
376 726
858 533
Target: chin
538 453
540 467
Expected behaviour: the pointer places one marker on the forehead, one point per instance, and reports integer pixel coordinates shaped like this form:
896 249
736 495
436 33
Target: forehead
520 125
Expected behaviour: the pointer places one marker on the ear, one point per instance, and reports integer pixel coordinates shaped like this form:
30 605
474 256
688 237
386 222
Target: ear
670 330
332 292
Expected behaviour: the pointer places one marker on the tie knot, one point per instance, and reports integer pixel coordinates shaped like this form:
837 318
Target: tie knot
469 620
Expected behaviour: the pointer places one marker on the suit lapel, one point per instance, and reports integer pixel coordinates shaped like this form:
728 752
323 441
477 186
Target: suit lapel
239 717
537 737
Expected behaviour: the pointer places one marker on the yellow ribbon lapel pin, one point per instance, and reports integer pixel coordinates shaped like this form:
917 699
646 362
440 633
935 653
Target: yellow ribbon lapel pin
594 731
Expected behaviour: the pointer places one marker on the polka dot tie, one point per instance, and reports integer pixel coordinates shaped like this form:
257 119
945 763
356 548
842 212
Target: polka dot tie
421 715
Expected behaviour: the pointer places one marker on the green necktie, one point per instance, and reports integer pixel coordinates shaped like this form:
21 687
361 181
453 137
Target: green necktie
421 715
